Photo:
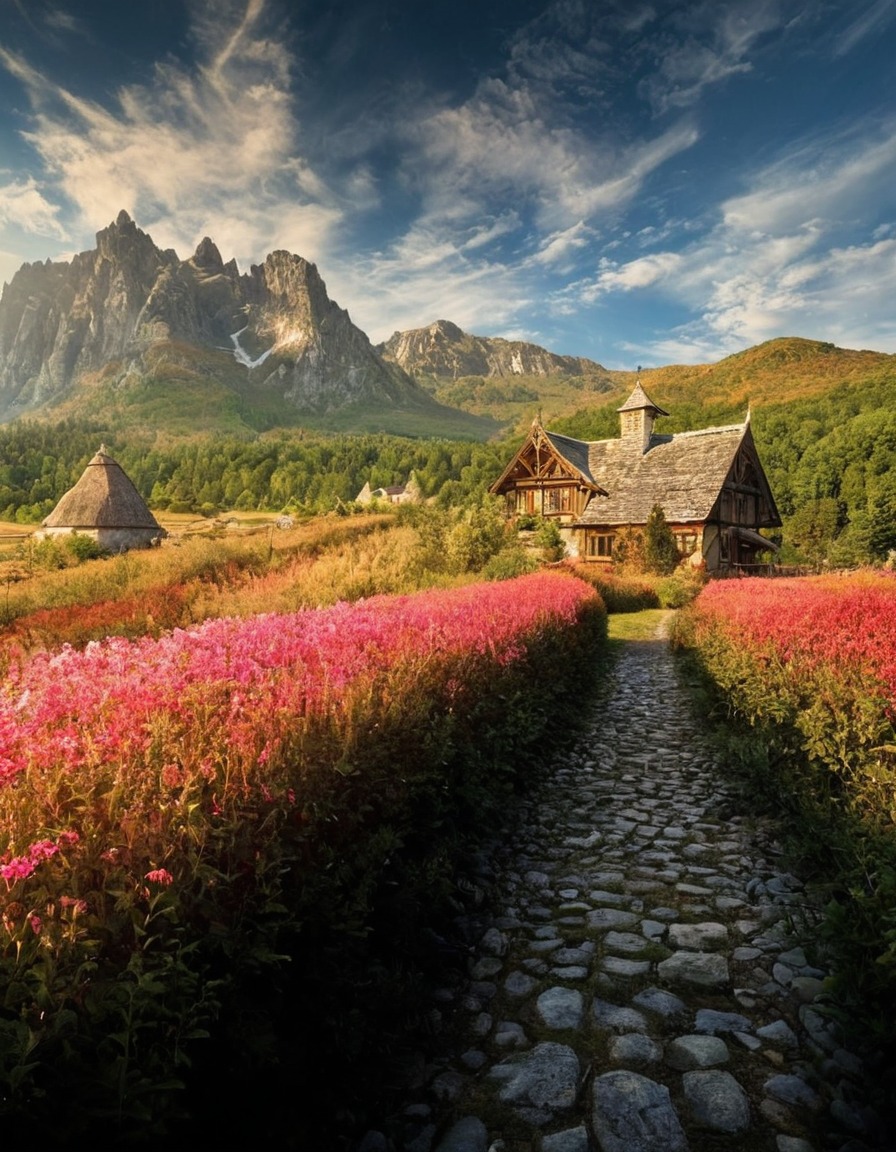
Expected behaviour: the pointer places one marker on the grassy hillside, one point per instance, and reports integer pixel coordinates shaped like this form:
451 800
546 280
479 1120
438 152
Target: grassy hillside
777 372
180 390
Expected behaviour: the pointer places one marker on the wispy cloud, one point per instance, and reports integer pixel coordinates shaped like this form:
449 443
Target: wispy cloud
212 149
773 263
868 23
23 205
708 44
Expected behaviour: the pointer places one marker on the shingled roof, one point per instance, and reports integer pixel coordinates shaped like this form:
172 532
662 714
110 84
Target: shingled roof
575 452
104 497
683 472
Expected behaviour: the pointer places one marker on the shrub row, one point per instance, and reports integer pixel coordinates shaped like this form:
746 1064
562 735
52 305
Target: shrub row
619 593
241 832
807 671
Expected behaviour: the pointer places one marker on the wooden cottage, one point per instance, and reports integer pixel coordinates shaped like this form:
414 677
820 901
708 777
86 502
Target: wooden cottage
709 483
106 506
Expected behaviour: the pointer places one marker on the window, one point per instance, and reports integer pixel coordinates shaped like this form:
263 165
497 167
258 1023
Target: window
600 544
686 542
556 500
525 500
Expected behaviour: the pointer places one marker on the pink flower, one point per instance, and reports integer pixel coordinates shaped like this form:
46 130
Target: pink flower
36 923
73 903
160 876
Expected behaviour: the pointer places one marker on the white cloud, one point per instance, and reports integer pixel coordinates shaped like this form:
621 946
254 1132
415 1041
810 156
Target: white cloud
867 23
213 150
558 247
23 205
834 178
660 268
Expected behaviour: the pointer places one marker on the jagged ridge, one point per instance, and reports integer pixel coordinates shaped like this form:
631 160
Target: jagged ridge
60 322
444 351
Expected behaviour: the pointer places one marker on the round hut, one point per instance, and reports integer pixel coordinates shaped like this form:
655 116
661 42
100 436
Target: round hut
106 506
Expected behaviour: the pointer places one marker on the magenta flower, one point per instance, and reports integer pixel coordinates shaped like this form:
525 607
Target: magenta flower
160 876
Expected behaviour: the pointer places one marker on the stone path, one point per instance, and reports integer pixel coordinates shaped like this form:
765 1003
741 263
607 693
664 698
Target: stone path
644 987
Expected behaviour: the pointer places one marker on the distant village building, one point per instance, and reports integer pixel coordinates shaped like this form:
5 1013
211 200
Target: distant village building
395 494
106 506
710 484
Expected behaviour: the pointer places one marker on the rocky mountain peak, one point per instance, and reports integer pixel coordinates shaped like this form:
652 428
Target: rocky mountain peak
125 302
207 257
443 350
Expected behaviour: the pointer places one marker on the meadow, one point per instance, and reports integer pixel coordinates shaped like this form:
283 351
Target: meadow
804 672
233 830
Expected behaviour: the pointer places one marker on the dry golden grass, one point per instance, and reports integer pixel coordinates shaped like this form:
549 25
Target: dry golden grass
219 562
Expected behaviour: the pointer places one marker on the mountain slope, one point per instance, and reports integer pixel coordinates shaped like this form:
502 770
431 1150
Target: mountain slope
443 351
128 324
580 396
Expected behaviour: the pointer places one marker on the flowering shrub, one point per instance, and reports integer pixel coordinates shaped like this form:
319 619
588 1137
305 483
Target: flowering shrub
810 665
619 593
204 805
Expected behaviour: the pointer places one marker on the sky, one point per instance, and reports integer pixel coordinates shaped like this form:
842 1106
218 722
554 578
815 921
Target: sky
638 183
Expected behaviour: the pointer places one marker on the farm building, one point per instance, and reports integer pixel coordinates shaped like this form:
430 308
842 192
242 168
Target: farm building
394 494
710 484
106 506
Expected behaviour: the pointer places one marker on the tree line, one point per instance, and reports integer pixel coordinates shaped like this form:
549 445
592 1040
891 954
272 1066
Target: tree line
298 472
830 460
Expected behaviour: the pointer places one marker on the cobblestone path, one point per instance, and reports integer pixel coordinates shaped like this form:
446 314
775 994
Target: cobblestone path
644 985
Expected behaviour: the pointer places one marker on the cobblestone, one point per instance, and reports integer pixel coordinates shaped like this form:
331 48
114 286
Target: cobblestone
652 982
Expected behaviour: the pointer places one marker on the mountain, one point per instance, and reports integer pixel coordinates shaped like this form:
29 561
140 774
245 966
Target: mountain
445 352
510 380
131 330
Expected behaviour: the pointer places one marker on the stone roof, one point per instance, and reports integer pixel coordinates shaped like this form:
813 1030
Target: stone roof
640 399
104 497
684 473
574 452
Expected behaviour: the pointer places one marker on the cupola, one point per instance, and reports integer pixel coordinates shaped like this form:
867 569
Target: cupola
636 419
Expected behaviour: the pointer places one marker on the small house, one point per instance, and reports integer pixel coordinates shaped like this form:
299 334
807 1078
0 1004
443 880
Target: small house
106 506
393 494
710 484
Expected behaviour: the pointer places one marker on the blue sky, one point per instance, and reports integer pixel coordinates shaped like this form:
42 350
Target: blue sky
639 183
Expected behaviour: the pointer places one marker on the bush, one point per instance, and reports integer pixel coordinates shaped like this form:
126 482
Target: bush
259 820
806 672
511 561
619 593
681 588
549 540
660 550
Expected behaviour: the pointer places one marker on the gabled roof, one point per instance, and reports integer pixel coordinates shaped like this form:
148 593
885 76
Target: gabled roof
683 473
104 497
572 453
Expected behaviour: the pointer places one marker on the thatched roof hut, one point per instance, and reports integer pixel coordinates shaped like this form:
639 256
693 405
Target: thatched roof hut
105 505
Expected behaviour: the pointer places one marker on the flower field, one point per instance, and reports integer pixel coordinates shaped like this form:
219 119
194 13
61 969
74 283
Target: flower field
213 832
809 665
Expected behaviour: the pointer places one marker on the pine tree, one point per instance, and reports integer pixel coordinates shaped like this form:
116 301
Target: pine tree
660 550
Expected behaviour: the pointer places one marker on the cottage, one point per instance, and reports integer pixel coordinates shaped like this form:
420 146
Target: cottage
106 506
709 483
393 494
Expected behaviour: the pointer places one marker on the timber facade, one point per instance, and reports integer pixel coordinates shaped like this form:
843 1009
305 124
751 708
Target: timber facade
710 484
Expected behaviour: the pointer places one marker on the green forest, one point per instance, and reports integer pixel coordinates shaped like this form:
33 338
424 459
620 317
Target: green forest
830 459
285 471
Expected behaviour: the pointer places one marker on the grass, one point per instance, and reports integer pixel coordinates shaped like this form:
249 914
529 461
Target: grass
204 571
636 625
